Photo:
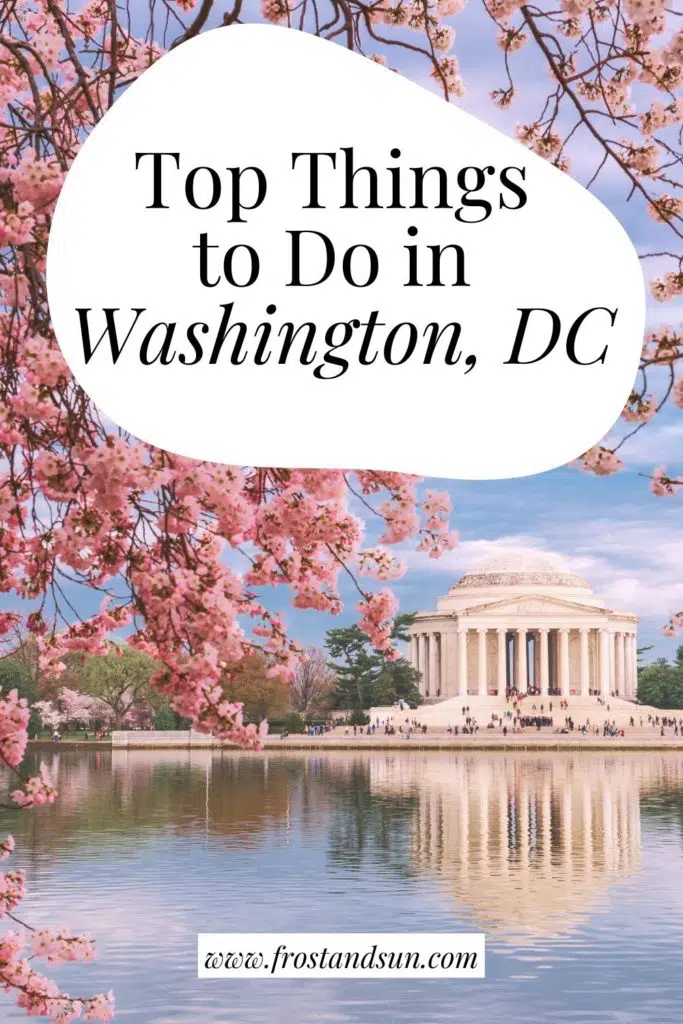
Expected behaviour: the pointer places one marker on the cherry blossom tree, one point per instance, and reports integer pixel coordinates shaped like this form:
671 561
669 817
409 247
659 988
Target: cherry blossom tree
71 706
82 708
83 505
50 716
137 717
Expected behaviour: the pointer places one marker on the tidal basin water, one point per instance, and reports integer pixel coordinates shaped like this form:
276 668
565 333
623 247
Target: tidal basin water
571 863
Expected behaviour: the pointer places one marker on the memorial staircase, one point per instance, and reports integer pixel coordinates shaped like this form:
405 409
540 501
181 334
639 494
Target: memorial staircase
438 716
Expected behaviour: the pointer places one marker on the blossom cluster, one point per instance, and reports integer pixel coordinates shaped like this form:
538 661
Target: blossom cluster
36 791
40 996
601 461
73 706
61 947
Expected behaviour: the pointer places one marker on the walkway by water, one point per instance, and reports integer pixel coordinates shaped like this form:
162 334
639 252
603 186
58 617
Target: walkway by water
435 739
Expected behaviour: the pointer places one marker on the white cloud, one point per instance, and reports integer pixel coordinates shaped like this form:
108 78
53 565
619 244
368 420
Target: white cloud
470 553
655 444
634 565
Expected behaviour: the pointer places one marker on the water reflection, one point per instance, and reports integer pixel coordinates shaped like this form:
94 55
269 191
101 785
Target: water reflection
546 853
528 843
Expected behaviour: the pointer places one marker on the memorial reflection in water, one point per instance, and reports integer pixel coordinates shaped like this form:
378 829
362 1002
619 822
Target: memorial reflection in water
529 845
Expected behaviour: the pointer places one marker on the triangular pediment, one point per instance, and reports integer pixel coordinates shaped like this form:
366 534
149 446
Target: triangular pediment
533 604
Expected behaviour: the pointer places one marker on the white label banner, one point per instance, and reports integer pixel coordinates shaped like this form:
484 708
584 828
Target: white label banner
342 955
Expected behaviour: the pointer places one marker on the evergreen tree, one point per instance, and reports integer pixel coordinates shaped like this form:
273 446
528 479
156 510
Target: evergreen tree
365 677
660 683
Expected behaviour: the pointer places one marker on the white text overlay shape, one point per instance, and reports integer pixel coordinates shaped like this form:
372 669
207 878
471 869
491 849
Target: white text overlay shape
250 97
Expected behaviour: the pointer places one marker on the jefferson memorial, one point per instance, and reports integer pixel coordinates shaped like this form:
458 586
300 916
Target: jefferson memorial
523 621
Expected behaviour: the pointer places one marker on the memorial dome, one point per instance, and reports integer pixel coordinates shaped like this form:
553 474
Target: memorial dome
523 567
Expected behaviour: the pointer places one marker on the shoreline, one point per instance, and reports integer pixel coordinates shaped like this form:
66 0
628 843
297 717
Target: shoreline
355 744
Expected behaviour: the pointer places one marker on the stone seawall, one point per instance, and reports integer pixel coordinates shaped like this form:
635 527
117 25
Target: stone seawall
168 738
530 741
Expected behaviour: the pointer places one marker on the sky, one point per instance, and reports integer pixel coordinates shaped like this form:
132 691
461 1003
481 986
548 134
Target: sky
627 544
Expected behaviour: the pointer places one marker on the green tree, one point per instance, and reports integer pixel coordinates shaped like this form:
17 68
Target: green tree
353 664
366 677
22 648
121 679
16 675
397 680
660 683
165 719
293 722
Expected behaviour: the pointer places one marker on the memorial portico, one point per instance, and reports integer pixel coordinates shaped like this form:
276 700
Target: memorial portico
524 621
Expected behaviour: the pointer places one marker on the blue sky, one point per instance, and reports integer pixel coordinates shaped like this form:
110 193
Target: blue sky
626 543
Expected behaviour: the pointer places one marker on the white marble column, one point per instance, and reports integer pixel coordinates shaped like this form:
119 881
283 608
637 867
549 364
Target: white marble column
585 670
537 659
632 687
502 661
627 664
450 669
413 650
481 662
543 636
604 662
462 662
433 665
521 661
612 662
422 663
439 663
620 664
563 635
